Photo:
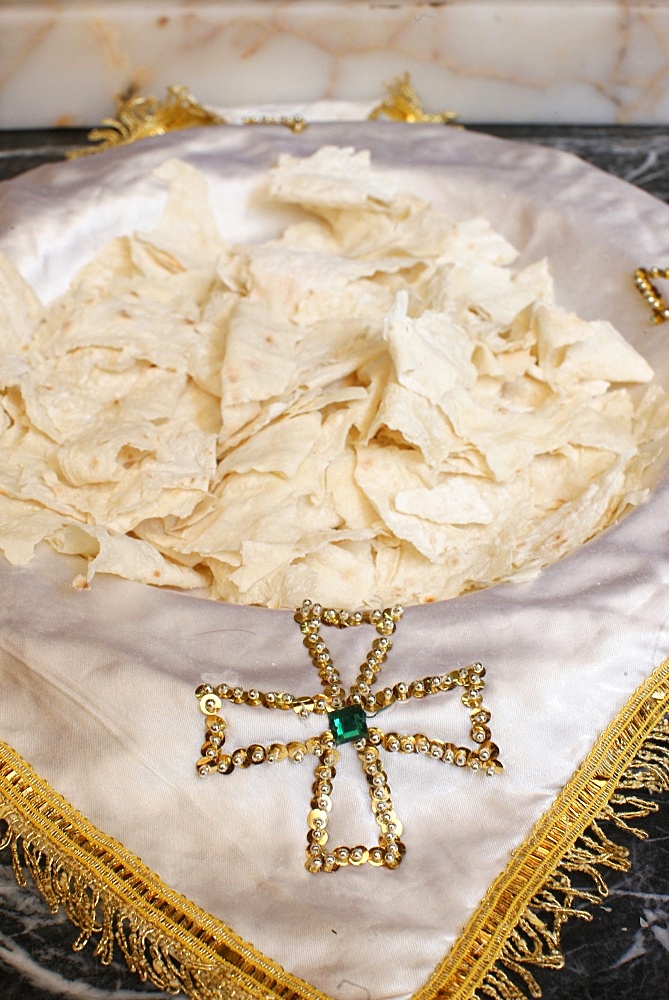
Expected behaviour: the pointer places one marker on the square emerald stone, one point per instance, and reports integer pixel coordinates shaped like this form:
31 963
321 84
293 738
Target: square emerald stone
348 724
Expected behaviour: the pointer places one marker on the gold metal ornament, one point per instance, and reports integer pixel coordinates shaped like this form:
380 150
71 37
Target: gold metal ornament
143 117
348 715
643 279
404 105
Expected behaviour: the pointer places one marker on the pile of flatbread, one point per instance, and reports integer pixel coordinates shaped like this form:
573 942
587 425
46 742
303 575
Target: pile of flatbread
375 406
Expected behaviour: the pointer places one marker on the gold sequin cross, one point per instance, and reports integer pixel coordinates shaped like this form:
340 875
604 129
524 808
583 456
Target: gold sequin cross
348 716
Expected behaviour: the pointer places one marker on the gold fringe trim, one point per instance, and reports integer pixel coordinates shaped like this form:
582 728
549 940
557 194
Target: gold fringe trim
116 901
518 924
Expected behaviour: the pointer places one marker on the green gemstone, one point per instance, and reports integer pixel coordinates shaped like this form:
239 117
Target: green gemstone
348 724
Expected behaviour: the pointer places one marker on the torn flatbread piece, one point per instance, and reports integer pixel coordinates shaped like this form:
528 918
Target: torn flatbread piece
375 405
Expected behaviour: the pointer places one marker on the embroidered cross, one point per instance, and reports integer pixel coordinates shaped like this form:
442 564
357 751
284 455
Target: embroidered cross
348 718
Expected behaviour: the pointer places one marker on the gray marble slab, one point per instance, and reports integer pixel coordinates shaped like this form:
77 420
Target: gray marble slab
621 953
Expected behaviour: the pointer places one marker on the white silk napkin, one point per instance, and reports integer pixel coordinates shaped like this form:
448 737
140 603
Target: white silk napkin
98 687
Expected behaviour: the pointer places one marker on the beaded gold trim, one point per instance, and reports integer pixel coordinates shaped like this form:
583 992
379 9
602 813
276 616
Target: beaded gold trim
296 123
348 715
642 280
113 898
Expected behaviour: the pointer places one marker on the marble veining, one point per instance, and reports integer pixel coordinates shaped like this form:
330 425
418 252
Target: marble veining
590 61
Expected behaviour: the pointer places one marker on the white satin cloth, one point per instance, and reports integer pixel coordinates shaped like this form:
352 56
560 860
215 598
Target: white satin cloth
98 687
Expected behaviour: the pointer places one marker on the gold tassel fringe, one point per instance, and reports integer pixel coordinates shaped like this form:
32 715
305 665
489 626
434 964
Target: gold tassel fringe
535 941
116 902
518 925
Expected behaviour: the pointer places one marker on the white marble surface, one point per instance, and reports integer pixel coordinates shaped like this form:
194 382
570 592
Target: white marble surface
594 61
